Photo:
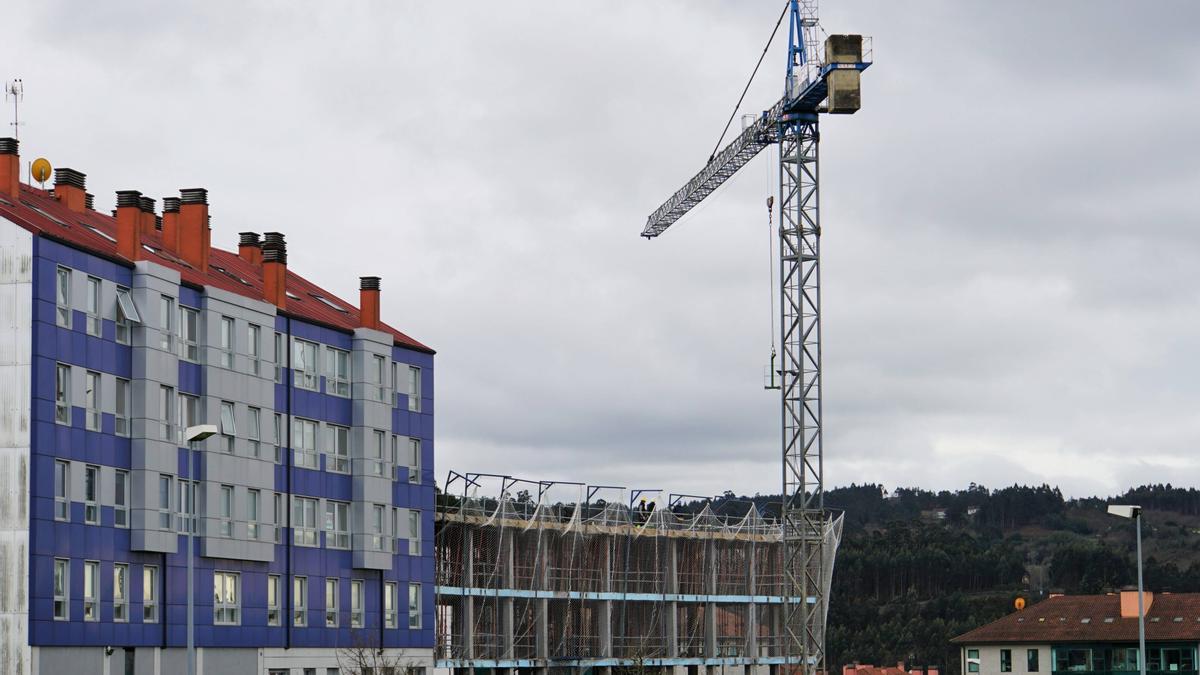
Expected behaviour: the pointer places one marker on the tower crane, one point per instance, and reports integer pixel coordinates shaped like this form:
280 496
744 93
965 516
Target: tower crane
815 83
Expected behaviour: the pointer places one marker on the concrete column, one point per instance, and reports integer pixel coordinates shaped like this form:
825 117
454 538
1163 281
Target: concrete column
710 608
672 587
507 578
606 636
467 615
752 608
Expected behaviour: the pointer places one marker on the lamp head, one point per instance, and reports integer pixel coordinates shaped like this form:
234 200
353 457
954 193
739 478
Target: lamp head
199 432
1125 510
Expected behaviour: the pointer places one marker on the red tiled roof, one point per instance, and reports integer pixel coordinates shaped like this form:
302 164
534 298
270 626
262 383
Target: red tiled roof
42 214
1092 618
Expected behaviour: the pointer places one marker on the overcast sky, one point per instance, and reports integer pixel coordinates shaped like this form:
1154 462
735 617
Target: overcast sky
1012 222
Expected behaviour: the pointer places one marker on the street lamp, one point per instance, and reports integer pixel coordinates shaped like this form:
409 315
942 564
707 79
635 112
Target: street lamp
1135 512
194 435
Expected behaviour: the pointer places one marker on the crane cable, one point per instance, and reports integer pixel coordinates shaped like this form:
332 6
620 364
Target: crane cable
737 107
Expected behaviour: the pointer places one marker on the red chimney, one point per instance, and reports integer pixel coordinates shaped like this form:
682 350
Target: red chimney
193 227
274 258
250 248
148 222
170 224
10 168
129 231
368 302
69 188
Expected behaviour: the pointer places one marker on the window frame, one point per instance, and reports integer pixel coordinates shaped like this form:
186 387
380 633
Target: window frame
62 394
414 389
357 601
91 601
274 607
335 537
391 601
225 509
280 365
127 315
188 406
254 347
278 515
306 372
91 494
414 459
337 454
1032 660
92 393
303 455
167 403
227 340
123 407
166 319
227 598
379 454
414 605
253 512
300 601
149 593
92 306
254 430
414 531
304 532
973 661
62 490
338 372
121 498
1006 660
166 514
379 541
120 592
62 589
278 423
331 602
189 333
383 392
62 296
227 416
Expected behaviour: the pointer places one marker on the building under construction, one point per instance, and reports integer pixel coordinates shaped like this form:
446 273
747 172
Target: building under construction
532 584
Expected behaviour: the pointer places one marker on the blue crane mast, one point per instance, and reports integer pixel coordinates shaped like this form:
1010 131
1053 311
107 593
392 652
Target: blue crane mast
815 83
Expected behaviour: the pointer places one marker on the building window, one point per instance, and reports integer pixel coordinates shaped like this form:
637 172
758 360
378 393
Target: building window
379 465
120 592
166 403
91 400
62 587
414 389
379 375
62 487
414 460
331 602
63 297
304 521
93 306
121 498
337 377
356 603
124 404
272 599
278 514
166 322
304 440
187 505
1006 660
1125 658
972 660
189 334
254 430
278 425
378 541
304 365
91 590
189 414
164 501
254 348
338 457
1031 660
91 498
227 598
390 602
414 606
300 601
62 394
226 506
337 524
279 364
226 337
252 501
127 315
228 427
150 594
414 532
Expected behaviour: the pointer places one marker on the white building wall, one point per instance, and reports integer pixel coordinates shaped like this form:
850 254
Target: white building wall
989 659
16 368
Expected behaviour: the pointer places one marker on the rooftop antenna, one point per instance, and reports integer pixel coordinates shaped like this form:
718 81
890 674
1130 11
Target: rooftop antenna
15 89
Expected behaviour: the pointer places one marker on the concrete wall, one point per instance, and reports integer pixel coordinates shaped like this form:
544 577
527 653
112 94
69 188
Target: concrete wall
16 369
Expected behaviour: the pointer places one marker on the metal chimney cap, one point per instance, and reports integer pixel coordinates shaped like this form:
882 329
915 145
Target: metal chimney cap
146 204
368 283
129 198
71 177
193 196
8 146
276 255
248 239
170 204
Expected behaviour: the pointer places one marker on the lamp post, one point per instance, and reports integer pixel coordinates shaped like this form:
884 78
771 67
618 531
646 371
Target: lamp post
1135 512
194 435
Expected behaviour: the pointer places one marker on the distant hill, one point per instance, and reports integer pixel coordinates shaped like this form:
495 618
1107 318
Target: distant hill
918 567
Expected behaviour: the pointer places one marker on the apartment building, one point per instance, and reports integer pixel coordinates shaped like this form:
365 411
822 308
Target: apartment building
311 507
